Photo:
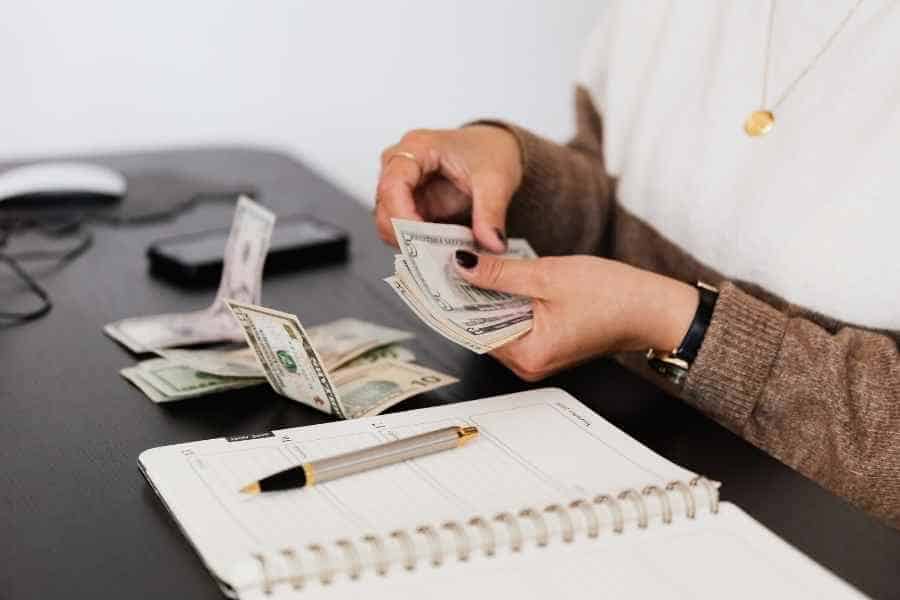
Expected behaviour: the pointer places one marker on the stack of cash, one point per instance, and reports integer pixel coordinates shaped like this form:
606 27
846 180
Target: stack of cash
424 277
355 365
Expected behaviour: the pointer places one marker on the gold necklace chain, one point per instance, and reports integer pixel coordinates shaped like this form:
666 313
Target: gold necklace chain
761 122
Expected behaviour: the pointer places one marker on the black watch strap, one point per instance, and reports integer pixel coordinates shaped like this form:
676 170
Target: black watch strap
690 345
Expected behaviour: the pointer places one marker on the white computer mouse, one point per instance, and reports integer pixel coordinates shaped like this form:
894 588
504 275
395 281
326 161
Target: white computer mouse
60 181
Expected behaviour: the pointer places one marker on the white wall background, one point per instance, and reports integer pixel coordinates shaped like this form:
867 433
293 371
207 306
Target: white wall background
330 81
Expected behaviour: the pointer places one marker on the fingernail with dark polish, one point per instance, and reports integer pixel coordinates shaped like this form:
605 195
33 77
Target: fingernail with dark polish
466 259
500 235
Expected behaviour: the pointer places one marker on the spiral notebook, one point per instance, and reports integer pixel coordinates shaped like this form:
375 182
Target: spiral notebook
549 501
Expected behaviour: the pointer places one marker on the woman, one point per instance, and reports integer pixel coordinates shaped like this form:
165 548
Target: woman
751 146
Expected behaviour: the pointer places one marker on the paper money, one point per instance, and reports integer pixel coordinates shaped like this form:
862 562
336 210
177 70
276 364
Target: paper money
425 279
295 369
290 362
429 249
391 352
370 389
245 254
231 362
241 362
164 381
366 389
339 342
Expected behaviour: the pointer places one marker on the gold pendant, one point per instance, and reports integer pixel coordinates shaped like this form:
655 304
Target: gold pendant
759 123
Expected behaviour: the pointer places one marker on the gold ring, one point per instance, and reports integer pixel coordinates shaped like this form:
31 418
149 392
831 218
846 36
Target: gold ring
408 156
403 154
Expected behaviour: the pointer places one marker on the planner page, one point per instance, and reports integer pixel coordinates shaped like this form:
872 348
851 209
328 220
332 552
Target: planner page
534 448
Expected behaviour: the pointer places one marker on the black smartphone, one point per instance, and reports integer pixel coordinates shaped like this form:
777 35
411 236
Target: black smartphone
298 241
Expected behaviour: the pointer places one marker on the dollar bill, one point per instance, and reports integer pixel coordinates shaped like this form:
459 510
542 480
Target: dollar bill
339 342
371 389
245 254
291 363
228 362
390 352
164 381
425 279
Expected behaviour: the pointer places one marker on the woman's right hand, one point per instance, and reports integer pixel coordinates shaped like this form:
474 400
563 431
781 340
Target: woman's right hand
445 175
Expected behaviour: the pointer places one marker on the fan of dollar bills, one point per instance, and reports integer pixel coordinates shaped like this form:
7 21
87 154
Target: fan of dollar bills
349 368
424 278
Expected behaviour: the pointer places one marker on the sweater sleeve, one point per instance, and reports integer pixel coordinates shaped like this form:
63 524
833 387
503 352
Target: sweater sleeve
562 205
825 403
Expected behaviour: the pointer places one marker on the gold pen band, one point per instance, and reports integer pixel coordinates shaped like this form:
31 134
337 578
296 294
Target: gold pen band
310 473
466 435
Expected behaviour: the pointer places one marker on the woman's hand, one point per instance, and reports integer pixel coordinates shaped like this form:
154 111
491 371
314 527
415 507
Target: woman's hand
448 175
584 306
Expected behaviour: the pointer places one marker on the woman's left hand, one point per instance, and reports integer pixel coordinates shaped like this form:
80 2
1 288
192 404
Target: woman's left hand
584 306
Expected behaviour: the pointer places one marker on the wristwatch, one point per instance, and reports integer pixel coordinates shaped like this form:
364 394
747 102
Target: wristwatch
674 365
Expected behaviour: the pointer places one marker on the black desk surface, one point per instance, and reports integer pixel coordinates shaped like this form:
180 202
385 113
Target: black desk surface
78 520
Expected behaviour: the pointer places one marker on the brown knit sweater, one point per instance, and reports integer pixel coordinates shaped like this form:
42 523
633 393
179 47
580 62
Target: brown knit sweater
821 396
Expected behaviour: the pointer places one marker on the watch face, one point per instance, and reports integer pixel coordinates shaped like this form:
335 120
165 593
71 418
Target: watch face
673 369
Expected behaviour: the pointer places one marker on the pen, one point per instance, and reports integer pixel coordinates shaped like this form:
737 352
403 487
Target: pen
326 469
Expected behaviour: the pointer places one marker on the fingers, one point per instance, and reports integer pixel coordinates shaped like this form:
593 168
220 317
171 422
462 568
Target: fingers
490 199
394 197
403 167
514 276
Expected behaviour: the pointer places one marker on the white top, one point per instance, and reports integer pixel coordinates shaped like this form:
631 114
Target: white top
812 210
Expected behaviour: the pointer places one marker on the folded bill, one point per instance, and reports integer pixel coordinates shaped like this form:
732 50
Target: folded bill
371 389
389 352
339 342
245 253
424 278
161 380
230 362
289 360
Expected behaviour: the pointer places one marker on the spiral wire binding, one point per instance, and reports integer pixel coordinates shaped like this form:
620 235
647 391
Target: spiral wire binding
664 501
381 567
687 494
266 576
540 525
352 556
489 547
437 549
615 509
565 522
296 578
639 506
403 537
515 532
590 516
463 539
463 544
712 494
326 572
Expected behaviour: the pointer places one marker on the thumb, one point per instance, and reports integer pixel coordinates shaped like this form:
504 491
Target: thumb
489 202
522 277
